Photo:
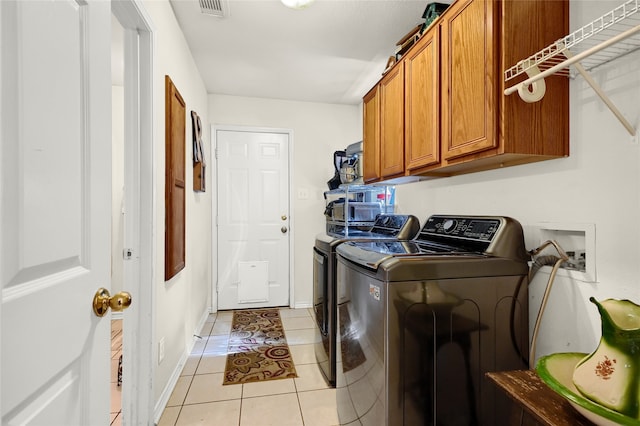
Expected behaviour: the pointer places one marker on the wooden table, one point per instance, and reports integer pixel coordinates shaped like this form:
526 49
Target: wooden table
542 404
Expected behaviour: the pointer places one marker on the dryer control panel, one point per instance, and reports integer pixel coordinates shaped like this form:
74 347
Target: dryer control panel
460 227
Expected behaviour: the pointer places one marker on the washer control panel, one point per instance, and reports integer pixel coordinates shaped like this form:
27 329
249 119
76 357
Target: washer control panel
470 228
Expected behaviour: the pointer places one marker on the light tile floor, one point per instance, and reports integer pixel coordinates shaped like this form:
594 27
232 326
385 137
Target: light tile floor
199 398
116 351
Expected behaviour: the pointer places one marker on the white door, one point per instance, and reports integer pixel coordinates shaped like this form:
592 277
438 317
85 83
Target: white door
55 126
253 219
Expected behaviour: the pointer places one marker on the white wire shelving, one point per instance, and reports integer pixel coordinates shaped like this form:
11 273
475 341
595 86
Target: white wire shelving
609 37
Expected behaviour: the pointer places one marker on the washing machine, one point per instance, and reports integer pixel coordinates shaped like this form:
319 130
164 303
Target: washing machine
385 227
423 320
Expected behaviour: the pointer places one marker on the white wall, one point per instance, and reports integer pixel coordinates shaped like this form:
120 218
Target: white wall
598 184
318 131
182 302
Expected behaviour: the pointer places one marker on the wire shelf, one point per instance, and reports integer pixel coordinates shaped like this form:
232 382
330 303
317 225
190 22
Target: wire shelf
609 37
595 38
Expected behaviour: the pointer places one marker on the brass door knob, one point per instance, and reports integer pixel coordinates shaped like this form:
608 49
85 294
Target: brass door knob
103 300
283 217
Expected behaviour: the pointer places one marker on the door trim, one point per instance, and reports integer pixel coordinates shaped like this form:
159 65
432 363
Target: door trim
140 224
214 206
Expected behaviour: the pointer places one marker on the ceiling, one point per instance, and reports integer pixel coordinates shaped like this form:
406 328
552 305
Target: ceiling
333 51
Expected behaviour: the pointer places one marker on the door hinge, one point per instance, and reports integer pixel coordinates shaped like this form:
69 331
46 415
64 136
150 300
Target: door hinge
127 254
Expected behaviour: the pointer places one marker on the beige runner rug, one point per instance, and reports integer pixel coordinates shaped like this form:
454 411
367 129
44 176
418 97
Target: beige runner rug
258 348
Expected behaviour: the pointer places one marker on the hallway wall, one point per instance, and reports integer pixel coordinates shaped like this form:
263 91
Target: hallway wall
181 303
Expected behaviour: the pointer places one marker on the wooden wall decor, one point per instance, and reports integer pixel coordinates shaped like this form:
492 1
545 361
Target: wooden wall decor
199 163
174 198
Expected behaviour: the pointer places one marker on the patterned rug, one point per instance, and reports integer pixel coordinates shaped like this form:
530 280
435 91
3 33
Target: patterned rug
257 349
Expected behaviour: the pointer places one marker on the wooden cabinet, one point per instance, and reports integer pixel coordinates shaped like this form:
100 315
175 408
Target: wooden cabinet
468 79
481 127
371 136
422 104
456 118
383 131
392 123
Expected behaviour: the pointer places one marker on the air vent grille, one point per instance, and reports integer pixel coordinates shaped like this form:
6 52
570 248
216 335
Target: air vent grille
213 7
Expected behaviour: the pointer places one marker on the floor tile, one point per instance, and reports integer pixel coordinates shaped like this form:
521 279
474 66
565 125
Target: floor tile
169 416
114 369
191 365
211 413
319 407
297 323
117 420
224 316
303 354
116 392
179 391
301 337
199 397
309 378
206 329
211 364
209 388
288 313
276 410
116 398
221 327
216 345
268 387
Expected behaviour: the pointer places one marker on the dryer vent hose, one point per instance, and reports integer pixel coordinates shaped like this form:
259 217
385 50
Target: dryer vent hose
538 262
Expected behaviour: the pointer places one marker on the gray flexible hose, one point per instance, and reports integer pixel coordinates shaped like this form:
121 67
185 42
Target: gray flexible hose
539 262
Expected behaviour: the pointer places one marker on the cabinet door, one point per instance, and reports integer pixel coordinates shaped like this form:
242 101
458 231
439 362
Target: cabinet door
422 103
371 136
392 122
468 78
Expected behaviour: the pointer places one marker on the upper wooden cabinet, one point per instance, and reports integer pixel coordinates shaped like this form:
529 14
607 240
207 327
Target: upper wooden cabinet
456 117
422 103
392 123
469 79
371 136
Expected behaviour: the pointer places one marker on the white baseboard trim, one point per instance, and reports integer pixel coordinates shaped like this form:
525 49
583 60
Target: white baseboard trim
302 305
175 375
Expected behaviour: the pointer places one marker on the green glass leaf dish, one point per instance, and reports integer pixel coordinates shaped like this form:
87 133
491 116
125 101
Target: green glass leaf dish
556 370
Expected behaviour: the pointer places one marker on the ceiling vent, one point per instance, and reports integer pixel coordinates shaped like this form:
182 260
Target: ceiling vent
219 8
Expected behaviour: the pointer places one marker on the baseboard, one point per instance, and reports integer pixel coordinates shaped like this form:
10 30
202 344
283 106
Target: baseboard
175 375
303 305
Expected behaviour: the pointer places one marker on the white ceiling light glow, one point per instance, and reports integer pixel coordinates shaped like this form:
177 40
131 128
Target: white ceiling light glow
296 4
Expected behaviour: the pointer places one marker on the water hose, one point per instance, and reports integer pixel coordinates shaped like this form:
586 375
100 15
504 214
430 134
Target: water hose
539 262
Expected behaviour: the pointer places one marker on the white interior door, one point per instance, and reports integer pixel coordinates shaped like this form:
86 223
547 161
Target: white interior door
253 219
55 126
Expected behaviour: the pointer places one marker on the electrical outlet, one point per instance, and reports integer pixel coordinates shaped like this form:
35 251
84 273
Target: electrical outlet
303 194
160 350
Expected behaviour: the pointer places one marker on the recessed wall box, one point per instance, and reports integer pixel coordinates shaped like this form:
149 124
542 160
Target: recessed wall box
578 240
